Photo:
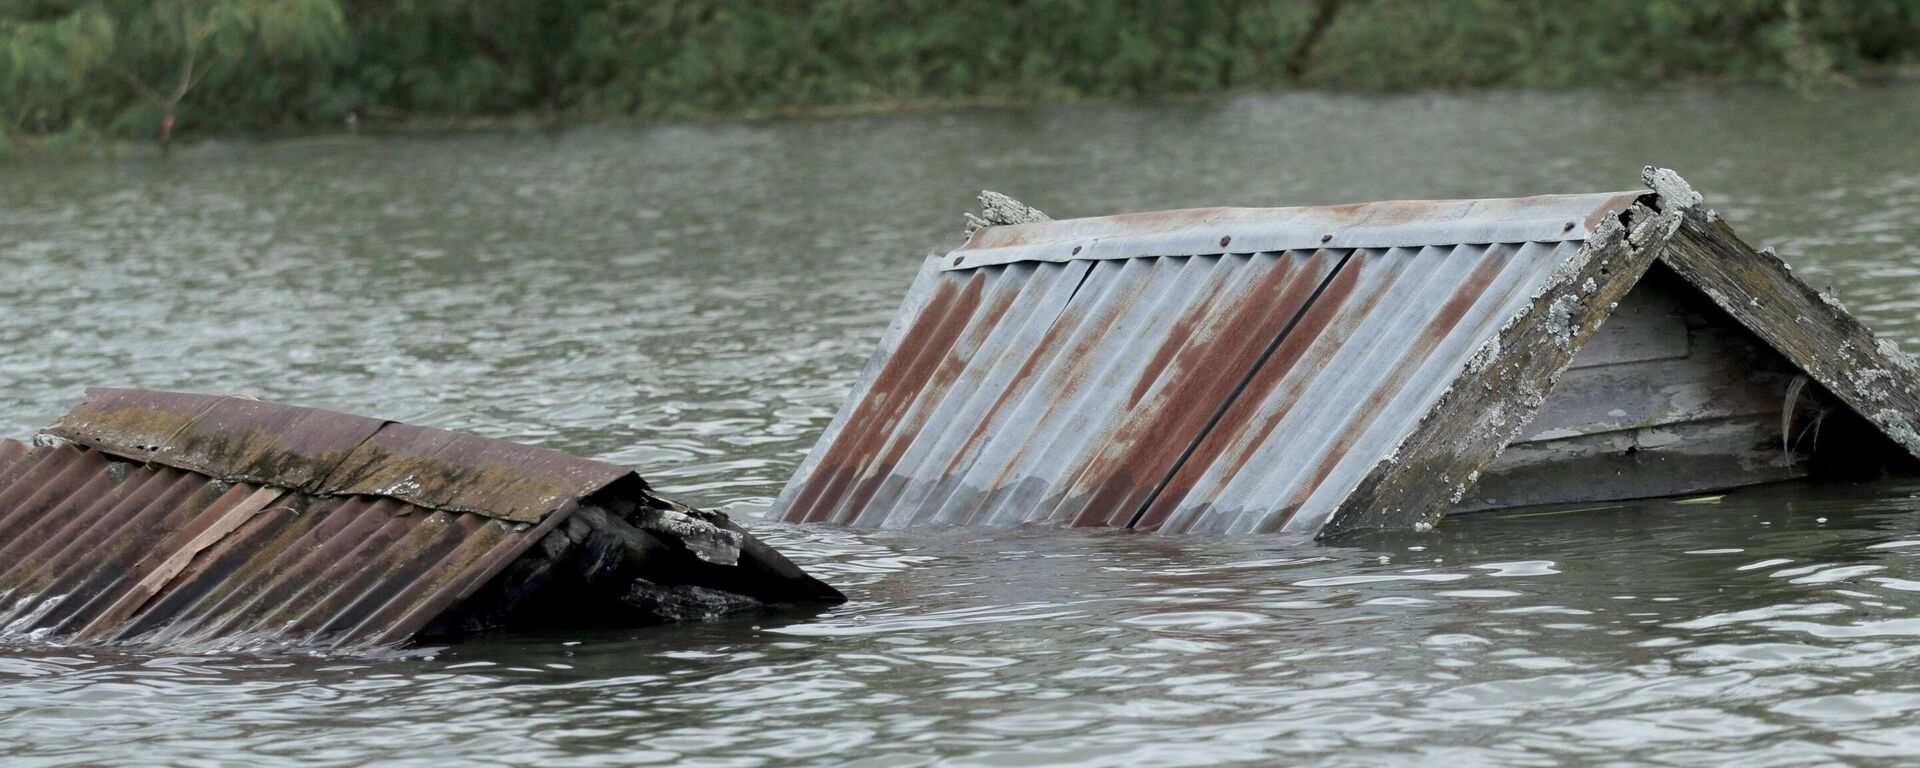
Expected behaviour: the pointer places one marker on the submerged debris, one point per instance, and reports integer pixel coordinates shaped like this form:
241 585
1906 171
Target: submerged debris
997 209
196 521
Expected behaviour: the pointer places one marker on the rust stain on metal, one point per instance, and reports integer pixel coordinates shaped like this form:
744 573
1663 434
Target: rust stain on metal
1326 325
198 521
1137 457
1166 390
1340 367
931 336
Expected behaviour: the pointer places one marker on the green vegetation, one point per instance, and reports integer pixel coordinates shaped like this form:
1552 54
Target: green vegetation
75 71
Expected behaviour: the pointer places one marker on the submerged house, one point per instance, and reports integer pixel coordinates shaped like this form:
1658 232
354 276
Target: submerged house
195 521
1330 369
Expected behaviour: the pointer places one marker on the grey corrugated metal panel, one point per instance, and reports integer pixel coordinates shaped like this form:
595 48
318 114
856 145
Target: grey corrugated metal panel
100 549
904 318
959 313
326 452
1079 435
1049 423
1199 231
973 399
1039 391
1025 301
1128 407
1366 378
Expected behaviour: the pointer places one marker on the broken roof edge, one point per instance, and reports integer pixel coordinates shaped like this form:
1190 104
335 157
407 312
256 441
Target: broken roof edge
1503 385
1490 403
1871 375
327 453
1212 231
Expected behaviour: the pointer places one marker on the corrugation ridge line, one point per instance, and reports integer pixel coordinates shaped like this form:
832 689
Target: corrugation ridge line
1240 388
1100 309
217 573
212 572
107 546
138 534
281 619
25 506
1003 352
919 292
1525 269
36 524
1240 290
282 573
816 501
1429 360
20 486
871 470
1321 331
1010 399
438 565
1080 421
131 606
1330 302
398 572
928 342
1295 385
1033 283
452 590
1307 443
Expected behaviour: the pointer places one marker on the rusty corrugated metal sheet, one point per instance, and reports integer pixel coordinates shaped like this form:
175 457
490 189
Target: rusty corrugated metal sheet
188 520
1213 369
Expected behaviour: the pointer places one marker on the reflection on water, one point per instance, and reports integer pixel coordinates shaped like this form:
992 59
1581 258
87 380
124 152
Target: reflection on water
694 300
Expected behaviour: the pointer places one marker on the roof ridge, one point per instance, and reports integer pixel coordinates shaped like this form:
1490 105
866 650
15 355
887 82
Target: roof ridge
330 453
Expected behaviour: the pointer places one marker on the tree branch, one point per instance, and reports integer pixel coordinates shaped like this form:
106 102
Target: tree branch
144 89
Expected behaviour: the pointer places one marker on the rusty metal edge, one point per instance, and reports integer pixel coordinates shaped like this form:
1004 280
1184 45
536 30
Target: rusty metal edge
910 307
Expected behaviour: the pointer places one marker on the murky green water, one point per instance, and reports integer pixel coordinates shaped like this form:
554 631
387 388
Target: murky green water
694 300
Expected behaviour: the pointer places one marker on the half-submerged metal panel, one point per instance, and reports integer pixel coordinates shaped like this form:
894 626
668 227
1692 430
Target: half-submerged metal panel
101 549
194 521
1210 370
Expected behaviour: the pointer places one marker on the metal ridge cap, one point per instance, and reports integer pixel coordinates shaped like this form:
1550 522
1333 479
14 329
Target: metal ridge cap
1207 231
329 453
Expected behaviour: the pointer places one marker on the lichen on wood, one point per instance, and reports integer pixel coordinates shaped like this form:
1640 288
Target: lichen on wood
1871 375
997 209
1501 388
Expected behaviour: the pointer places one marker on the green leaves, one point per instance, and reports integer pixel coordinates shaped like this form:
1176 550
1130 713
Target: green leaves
259 64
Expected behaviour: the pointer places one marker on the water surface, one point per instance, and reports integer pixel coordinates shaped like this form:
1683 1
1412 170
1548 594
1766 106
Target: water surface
695 299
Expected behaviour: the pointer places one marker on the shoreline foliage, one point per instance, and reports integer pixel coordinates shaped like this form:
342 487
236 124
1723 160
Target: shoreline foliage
74 72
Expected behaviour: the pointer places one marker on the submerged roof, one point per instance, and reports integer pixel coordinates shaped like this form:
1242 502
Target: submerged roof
1260 369
169 518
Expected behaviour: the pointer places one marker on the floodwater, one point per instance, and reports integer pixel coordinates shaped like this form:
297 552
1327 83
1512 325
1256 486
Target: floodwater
695 299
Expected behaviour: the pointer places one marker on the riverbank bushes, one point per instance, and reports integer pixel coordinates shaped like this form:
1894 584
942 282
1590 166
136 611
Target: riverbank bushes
133 68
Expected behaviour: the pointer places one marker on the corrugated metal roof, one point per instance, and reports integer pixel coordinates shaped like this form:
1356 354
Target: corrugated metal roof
195 521
326 452
1207 370
101 549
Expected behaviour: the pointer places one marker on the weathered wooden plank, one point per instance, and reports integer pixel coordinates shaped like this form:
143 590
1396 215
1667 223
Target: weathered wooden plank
1650 324
1728 372
1506 383
1638 463
1871 375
